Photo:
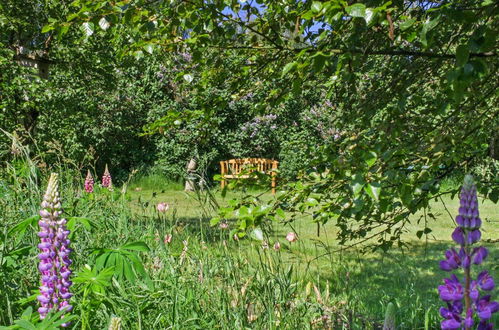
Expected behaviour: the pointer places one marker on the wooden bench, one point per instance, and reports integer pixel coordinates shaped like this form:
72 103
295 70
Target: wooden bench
232 169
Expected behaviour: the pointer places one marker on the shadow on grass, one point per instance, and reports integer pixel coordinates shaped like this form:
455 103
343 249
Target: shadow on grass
407 278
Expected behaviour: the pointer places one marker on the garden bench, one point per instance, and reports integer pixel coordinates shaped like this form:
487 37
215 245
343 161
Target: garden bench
242 168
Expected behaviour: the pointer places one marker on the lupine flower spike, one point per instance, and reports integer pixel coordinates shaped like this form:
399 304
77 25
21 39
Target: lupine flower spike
89 183
106 179
468 297
54 254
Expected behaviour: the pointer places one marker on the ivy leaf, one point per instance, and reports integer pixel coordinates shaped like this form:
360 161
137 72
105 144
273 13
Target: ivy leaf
356 10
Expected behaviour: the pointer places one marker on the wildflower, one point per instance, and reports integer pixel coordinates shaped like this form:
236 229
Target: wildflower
453 292
235 237
167 239
224 225
162 207
292 237
89 183
277 246
54 254
106 179
115 323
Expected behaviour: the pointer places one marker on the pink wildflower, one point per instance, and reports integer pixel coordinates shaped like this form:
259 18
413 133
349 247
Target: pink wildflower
106 179
89 183
168 239
162 207
277 246
292 237
224 225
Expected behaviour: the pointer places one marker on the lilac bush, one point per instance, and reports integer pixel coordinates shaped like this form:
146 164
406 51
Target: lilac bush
54 254
468 300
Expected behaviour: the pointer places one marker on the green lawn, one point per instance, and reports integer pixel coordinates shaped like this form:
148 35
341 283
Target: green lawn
365 282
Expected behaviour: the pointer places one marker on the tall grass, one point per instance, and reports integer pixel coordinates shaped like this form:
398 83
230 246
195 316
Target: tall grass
202 278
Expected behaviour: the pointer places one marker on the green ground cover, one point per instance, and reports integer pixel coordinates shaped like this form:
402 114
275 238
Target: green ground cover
203 278
362 282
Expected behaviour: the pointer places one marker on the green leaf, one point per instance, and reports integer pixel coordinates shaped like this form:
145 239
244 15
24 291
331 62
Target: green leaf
356 10
88 28
104 24
370 158
257 234
136 246
369 16
47 28
357 184
149 48
462 55
214 221
22 226
24 324
316 7
373 189
288 68
407 24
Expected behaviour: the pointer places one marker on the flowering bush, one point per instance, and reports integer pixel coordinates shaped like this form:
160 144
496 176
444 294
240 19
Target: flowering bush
454 292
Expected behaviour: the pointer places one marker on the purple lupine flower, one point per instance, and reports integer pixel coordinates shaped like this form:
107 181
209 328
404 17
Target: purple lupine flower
54 254
453 291
89 183
106 179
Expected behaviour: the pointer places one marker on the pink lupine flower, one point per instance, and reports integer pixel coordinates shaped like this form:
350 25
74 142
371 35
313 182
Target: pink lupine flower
292 237
107 182
168 239
277 246
89 183
54 254
162 207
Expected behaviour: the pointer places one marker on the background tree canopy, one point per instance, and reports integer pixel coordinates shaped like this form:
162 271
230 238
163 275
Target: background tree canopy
374 102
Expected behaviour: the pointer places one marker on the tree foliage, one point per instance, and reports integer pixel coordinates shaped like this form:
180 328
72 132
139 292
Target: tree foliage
411 88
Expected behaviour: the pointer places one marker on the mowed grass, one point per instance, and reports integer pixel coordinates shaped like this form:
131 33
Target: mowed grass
364 281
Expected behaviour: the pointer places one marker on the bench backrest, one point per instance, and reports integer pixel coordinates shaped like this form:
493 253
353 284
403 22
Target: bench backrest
236 166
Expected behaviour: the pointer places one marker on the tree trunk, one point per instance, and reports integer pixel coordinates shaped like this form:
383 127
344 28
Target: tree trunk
191 169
